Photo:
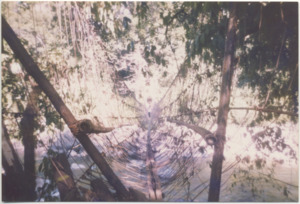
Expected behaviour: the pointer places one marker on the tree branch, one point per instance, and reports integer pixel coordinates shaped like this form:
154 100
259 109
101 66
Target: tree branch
206 134
172 18
87 126
264 110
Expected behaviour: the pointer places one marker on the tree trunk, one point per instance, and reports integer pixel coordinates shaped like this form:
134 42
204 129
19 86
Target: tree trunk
33 70
227 72
13 179
27 129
